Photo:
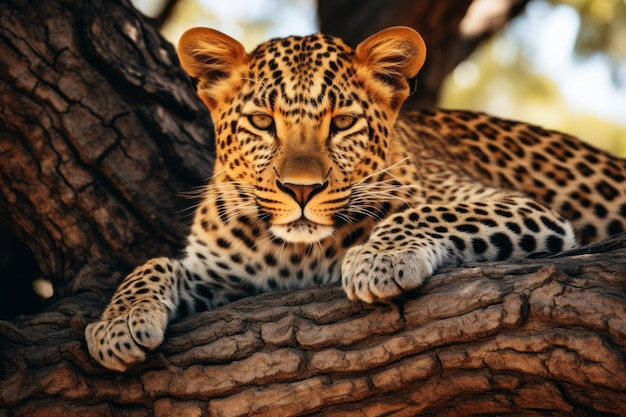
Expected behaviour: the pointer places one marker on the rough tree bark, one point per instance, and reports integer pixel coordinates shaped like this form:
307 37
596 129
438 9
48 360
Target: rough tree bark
530 338
100 132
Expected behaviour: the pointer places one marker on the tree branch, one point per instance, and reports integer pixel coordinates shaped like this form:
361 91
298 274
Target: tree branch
165 13
529 337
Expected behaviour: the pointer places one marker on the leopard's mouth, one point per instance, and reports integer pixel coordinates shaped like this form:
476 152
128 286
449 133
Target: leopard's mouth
302 231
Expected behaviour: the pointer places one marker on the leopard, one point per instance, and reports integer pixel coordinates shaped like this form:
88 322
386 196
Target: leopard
320 178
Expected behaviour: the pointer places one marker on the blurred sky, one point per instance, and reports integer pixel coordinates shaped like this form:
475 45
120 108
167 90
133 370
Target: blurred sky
249 21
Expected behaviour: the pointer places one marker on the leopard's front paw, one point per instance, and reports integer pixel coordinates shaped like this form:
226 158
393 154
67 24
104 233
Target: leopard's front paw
119 342
372 275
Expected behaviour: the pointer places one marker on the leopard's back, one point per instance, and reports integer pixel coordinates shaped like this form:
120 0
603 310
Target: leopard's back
584 184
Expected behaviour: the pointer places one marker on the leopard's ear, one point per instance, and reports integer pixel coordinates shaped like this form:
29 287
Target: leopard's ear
393 55
210 56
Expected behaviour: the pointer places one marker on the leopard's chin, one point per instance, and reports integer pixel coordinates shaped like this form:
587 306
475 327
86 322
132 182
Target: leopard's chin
302 231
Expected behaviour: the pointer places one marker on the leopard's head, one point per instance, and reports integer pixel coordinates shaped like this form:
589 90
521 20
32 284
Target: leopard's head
300 121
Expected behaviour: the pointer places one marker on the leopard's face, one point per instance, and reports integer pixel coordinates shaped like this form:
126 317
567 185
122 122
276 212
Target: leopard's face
301 122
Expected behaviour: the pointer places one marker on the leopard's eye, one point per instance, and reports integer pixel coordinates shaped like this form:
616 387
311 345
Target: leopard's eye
343 122
261 121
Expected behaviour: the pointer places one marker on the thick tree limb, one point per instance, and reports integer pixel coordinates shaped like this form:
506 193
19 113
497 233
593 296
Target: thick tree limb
524 338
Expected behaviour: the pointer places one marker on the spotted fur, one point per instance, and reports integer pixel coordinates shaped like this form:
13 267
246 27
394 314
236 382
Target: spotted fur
317 180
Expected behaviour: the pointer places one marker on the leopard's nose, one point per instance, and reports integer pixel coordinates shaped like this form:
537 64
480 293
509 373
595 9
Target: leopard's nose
302 193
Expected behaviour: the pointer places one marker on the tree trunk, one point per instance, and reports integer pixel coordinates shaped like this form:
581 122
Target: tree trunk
101 132
534 337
